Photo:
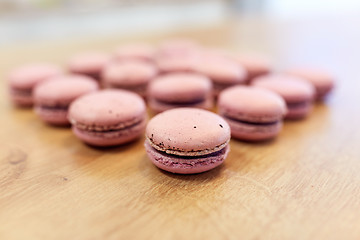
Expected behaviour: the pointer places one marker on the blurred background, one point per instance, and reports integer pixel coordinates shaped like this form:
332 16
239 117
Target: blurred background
36 20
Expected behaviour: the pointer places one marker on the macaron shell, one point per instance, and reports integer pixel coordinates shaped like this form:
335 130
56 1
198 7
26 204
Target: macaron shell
299 112
188 130
107 108
322 81
111 138
21 100
140 51
178 46
254 65
63 89
129 73
253 132
180 87
174 164
291 88
251 104
221 70
88 63
54 117
177 62
28 76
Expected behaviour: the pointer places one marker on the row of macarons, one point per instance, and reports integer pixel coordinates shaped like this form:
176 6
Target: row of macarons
132 67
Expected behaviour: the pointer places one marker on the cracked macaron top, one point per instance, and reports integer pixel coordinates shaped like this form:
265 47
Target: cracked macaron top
251 104
188 132
107 110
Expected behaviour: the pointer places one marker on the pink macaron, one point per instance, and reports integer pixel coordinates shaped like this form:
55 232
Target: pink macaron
23 79
177 55
89 63
187 140
135 51
53 97
254 65
178 46
108 117
254 114
297 93
132 75
184 62
222 72
180 90
322 80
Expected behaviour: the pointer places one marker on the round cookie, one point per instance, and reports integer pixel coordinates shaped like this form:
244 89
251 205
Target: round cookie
322 81
221 71
108 117
180 90
53 97
254 65
23 79
297 93
254 114
89 63
132 75
135 51
187 140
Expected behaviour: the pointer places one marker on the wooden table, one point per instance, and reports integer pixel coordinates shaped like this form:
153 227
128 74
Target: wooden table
303 185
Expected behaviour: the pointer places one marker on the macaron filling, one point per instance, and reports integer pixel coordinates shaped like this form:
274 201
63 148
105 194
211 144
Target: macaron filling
265 123
110 128
186 164
253 130
298 106
56 114
178 152
21 92
139 89
54 107
181 103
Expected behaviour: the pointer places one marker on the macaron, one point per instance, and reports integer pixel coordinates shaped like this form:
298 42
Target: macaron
23 79
132 75
297 93
180 90
187 140
177 63
135 51
322 80
53 97
177 55
254 114
254 65
89 63
222 72
108 117
178 46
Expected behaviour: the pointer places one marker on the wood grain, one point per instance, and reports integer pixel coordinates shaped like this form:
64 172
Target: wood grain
303 185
